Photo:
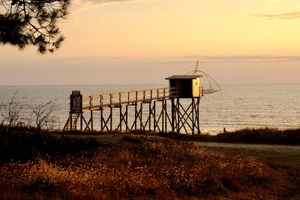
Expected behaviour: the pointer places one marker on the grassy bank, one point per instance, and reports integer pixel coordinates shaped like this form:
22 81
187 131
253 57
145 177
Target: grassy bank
250 136
280 157
46 164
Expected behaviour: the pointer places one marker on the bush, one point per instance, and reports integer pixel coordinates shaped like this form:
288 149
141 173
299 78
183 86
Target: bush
22 144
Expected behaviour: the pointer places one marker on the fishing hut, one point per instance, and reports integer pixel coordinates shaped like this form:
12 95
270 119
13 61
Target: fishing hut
187 86
175 108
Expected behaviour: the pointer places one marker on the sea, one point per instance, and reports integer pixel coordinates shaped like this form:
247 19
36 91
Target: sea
234 107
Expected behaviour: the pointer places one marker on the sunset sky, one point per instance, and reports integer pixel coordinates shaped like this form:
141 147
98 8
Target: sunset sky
144 41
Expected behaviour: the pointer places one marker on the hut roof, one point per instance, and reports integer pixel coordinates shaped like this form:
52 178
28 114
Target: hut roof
184 77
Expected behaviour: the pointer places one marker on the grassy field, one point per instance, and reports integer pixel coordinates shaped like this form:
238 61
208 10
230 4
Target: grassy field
129 166
283 158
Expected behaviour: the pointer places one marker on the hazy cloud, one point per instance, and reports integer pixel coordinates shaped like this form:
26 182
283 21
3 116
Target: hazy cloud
81 6
239 58
105 1
289 15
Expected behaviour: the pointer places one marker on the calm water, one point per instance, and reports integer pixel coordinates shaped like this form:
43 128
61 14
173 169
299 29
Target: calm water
235 107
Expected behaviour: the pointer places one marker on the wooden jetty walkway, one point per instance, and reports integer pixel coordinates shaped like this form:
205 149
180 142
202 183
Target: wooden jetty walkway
119 99
153 110
175 108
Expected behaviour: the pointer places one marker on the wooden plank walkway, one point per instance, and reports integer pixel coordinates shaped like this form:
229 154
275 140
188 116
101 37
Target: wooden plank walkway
119 99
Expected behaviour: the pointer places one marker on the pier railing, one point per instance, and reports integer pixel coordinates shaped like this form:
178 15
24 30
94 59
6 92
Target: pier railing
117 99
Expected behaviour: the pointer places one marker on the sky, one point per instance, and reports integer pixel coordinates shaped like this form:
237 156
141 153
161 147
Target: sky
145 41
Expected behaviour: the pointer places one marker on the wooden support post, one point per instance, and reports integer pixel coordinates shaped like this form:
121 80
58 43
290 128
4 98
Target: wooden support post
81 115
154 115
110 118
101 120
119 128
121 116
141 117
173 113
111 112
193 116
136 112
162 115
127 128
81 121
166 116
91 110
178 115
198 117
150 111
92 121
101 112
70 121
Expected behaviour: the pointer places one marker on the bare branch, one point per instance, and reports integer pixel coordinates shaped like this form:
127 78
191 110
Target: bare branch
11 112
43 114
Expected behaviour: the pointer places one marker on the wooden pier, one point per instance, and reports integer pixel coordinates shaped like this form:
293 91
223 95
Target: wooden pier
172 109
159 110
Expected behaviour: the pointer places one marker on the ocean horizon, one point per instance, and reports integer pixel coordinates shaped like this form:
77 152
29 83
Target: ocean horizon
236 106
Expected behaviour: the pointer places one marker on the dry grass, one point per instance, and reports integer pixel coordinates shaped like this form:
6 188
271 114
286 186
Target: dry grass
38 165
146 169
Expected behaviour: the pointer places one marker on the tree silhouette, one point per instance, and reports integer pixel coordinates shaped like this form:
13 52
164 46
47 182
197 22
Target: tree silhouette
32 22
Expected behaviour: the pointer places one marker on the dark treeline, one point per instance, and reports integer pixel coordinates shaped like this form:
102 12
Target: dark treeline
26 143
